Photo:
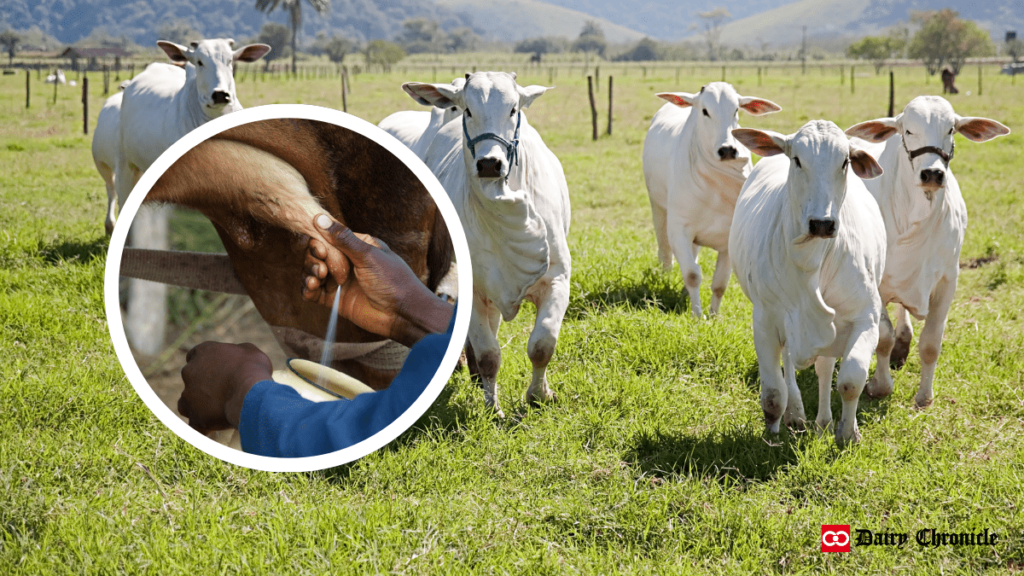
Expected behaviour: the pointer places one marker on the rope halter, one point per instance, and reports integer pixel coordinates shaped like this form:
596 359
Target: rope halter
946 158
511 148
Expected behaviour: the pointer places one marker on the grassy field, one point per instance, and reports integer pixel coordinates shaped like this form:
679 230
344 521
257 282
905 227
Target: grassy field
652 461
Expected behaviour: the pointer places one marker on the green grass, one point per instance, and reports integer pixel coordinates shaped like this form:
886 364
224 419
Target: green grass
652 461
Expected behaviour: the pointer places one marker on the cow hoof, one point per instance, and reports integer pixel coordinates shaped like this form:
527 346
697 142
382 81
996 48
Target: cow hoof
923 403
846 439
109 228
823 426
538 401
875 391
900 351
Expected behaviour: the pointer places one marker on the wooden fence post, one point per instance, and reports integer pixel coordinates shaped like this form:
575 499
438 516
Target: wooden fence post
55 85
27 89
723 73
106 79
597 79
842 74
892 94
609 105
85 105
344 89
593 106
979 79
852 68
677 75
758 75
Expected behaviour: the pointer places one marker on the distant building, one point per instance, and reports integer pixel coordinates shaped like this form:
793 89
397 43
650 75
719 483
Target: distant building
93 56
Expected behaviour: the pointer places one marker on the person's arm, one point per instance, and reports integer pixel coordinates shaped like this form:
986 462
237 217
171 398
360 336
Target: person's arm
276 421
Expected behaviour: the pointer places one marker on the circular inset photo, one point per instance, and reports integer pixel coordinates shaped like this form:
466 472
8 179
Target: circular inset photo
282 286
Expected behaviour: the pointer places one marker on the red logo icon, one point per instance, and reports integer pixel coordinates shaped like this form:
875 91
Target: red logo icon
835 537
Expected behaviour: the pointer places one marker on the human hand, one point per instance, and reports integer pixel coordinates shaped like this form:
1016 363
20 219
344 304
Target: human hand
379 292
217 377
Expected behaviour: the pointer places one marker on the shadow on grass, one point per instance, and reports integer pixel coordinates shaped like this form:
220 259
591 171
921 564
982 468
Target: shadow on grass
738 456
71 250
654 289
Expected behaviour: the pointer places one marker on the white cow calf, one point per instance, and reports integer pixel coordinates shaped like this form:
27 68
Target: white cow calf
511 196
925 219
694 170
808 248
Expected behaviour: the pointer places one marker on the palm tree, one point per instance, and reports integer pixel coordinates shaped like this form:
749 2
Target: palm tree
294 9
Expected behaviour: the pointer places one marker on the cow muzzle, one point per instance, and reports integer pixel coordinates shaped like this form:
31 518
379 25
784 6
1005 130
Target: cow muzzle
822 228
727 153
932 178
220 97
490 167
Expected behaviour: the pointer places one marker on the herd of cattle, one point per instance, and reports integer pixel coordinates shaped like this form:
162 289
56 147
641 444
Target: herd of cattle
822 235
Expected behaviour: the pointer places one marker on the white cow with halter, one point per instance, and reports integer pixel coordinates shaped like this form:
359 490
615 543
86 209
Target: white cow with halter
925 219
808 248
511 196
158 107
416 128
694 170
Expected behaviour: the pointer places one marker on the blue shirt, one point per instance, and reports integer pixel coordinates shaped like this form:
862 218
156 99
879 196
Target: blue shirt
276 421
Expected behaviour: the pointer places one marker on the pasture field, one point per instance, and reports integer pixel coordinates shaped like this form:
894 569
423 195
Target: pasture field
653 460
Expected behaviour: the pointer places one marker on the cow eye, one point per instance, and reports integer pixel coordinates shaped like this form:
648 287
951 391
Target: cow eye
513 113
199 62
950 131
846 163
909 133
797 161
455 108
468 113
706 113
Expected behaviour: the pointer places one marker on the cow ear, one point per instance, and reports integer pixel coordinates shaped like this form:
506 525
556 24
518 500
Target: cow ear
762 142
874 130
251 53
758 106
864 164
527 94
980 129
681 99
439 95
176 52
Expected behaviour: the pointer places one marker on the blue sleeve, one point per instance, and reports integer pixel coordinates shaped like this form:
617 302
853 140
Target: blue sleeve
276 421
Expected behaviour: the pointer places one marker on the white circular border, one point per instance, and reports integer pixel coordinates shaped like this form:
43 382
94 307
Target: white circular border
120 235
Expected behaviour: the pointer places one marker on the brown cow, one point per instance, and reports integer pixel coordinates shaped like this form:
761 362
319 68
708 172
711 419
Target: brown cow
947 82
261 184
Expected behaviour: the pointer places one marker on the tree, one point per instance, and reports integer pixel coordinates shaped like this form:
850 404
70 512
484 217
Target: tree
878 49
421 35
383 53
540 45
9 39
294 10
591 39
179 32
276 36
337 48
462 40
1015 48
945 39
645 50
712 23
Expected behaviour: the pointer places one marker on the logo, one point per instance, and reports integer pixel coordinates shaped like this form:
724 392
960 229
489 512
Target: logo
835 537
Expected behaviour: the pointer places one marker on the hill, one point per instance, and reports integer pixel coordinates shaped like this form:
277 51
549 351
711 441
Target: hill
531 18
856 18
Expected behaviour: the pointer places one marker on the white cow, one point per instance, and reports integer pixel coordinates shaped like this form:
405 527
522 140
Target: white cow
158 107
415 128
105 141
925 219
694 170
808 248
511 196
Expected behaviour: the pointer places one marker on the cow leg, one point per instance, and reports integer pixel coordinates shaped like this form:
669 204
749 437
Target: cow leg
720 281
881 384
904 335
794 416
660 216
774 396
486 350
541 346
824 366
686 252
929 346
107 173
853 374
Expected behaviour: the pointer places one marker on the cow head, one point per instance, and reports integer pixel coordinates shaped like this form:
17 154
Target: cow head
716 110
491 104
926 128
820 157
213 61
